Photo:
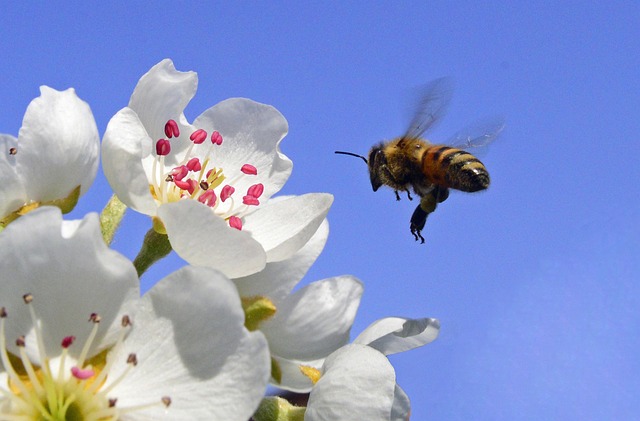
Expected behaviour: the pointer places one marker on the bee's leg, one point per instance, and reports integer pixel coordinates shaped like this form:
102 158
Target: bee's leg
418 219
397 195
409 195
427 205
442 193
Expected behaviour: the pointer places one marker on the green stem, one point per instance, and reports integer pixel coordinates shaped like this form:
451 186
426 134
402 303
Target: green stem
155 247
275 408
111 217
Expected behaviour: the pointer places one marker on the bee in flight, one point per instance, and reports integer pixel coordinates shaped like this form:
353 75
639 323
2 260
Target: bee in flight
410 162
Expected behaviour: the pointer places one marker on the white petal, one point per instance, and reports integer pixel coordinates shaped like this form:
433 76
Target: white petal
162 94
314 321
58 145
395 334
277 279
12 194
283 227
192 346
124 145
71 274
204 239
401 409
358 384
251 134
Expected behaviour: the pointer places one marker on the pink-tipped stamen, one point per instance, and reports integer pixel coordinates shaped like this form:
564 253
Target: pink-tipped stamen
194 164
226 192
171 129
216 138
187 185
208 198
81 374
235 222
249 169
199 136
250 200
163 147
256 190
178 173
68 341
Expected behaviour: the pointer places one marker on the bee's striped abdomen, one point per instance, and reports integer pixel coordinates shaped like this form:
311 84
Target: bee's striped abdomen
454 168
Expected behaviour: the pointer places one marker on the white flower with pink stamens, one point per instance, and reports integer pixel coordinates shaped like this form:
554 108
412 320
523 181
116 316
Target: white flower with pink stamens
53 160
77 342
229 164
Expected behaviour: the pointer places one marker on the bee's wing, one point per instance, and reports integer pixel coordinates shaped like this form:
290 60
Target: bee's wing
431 107
478 135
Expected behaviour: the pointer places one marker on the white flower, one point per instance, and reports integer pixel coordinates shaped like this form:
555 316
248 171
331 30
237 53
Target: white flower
358 382
228 162
181 352
53 160
308 324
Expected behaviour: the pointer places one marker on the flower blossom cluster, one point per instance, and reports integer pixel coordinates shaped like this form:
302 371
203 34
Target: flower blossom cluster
80 340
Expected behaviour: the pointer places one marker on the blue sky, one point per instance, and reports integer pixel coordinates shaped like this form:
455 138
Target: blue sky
535 281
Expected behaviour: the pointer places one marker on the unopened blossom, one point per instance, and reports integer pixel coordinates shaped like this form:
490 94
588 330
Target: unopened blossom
208 184
78 342
303 326
53 160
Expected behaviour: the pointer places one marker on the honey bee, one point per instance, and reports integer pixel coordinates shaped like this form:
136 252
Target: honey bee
410 162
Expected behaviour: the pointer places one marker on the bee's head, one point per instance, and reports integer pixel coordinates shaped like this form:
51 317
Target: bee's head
377 161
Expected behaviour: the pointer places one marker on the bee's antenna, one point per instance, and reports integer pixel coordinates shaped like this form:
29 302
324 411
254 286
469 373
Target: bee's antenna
354 154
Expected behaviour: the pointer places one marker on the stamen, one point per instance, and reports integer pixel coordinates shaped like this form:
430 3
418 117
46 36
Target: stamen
132 361
68 341
208 198
171 129
235 222
65 353
193 185
165 401
256 190
198 137
183 185
250 201
81 374
180 172
11 372
13 151
95 319
26 362
227 191
125 323
311 372
28 299
163 147
194 165
249 169
216 138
